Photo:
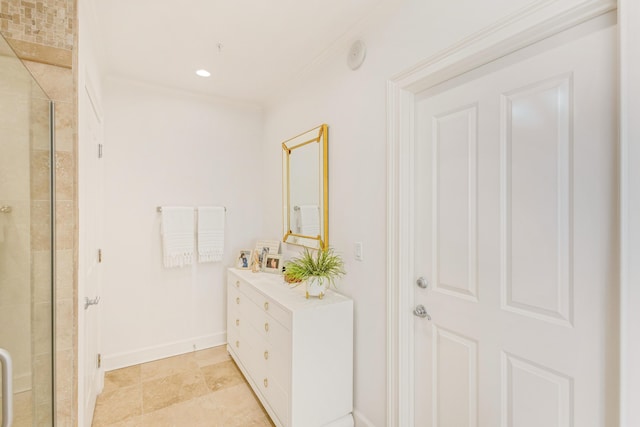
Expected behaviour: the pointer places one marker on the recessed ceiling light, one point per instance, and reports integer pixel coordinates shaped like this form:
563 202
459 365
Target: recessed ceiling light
203 73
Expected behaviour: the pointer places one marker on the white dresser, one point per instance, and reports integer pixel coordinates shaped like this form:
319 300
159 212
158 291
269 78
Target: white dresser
296 353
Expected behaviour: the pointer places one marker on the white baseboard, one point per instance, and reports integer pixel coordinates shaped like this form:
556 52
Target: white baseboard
361 420
148 354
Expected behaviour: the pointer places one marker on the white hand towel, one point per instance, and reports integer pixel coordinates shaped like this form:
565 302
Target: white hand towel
309 220
178 240
210 233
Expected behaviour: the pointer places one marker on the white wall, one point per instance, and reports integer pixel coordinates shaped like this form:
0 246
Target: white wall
352 103
164 147
630 140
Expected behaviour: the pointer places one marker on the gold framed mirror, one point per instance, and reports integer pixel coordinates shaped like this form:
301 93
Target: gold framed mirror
305 180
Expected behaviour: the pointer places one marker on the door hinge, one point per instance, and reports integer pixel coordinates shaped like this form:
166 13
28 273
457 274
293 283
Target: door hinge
99 255
99 360
99 151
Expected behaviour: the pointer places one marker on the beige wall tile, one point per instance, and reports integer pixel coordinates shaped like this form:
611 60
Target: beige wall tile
65 176
63 414
42 329
64 274
15 287
64 324
41 212
39 128
44 414
40 175
41 276
57 82
65 125
65 212
16 325
42 378
64 375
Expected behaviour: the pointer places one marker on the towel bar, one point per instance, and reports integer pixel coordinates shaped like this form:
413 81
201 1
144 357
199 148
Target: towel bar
297 208
159 208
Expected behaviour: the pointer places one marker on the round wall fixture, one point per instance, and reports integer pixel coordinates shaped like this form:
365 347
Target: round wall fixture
356 55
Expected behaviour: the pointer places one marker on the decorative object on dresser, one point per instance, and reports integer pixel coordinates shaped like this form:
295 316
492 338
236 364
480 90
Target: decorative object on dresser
243 261
262 249
317 272
271 264
296 354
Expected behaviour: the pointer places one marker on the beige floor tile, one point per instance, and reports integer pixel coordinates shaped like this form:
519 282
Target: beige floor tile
200 389
238 405
212 356
130 422
162 392
118 405
158 420
124 377
208 412
169 366
222 375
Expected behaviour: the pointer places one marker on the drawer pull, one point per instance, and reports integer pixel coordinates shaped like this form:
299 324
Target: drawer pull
237 283
238 344
237 322
266 305
266 327
266 355
266 382
237 300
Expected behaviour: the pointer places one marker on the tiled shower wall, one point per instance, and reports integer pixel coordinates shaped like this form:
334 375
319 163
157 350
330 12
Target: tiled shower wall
43 34
43 22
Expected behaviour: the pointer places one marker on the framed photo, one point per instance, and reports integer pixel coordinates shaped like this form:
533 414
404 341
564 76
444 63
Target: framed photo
272 263
264 247
243 261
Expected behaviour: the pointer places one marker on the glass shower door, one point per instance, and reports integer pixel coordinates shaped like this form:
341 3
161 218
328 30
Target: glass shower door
26 243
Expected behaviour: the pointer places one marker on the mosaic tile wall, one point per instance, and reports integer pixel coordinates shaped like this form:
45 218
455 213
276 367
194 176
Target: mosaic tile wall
44 22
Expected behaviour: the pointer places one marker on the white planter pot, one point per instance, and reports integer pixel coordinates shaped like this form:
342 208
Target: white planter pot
316 286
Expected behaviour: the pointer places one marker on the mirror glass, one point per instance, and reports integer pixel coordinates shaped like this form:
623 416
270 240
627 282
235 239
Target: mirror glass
305 193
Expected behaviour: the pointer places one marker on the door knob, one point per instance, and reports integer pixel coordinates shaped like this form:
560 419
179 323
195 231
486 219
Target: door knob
421 312
422 283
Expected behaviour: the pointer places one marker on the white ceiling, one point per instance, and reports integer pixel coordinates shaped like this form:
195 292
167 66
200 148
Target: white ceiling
264 43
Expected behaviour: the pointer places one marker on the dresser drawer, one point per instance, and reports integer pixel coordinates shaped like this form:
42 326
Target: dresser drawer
265 303
277 397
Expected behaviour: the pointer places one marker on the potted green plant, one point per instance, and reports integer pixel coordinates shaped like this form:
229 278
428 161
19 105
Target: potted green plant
317 271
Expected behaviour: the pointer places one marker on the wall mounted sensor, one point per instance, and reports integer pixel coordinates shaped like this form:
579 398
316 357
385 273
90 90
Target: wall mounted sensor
356 55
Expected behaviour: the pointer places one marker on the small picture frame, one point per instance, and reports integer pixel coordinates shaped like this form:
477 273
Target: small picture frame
243 261
272 263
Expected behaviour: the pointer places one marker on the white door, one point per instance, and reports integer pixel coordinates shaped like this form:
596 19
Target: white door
516 225
91 196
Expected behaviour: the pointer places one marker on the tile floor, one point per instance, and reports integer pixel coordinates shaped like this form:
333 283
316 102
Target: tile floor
200 389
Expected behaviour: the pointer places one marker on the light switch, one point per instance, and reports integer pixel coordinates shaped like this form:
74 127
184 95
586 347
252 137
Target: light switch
358 251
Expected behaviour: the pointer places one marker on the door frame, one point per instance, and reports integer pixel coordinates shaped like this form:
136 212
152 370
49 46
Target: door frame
527 26
628 17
